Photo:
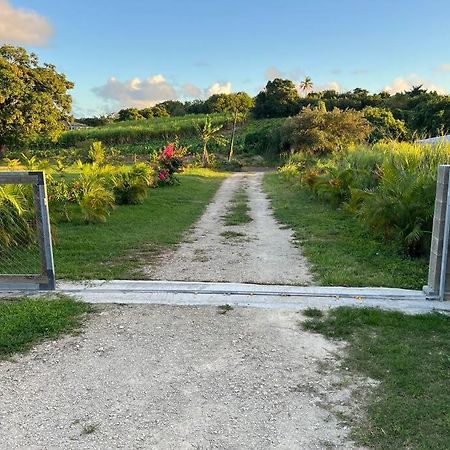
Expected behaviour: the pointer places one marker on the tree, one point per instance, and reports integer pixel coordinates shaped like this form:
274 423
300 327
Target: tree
306 85
319 131
239 101
278 99
160 111
34 102
129 114
238 104
209 133
385 125
173 107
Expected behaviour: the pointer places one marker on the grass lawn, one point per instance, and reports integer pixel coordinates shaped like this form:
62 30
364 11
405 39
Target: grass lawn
25 321
410 356
133 235
342 252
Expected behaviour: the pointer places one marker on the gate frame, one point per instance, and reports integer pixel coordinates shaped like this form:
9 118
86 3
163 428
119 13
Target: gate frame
46 279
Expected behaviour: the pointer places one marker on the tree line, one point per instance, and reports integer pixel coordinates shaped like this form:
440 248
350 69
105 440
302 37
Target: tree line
35 104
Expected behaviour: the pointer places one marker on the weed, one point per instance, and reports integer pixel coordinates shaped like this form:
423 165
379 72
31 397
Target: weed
223 309
232 234
238 213
90 428
313 312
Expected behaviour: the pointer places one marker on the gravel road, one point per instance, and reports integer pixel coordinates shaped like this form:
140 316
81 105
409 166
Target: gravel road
263 253
158 377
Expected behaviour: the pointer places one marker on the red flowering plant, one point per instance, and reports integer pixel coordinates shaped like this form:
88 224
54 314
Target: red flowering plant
170 162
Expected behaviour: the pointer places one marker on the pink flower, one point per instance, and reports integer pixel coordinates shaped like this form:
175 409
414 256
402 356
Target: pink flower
163 175
168 151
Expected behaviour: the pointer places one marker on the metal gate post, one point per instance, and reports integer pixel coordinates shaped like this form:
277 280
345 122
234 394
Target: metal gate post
438 281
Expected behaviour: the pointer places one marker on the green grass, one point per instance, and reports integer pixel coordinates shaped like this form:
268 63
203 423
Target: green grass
140 131
133 235
410 356
26 321
238 213
340 249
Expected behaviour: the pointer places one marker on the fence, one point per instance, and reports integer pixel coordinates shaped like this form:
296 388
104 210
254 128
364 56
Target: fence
26 257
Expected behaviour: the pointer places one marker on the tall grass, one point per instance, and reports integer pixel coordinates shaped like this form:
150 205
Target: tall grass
390 187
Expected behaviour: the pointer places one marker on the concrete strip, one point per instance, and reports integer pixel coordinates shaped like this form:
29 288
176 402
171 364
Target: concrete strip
290 298
288 303
238 289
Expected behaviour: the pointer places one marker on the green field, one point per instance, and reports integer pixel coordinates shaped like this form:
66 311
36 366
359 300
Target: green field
141 131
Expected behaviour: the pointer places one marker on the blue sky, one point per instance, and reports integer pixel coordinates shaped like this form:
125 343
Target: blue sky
137 52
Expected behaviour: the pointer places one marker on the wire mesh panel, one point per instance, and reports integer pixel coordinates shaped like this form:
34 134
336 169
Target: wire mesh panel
26 258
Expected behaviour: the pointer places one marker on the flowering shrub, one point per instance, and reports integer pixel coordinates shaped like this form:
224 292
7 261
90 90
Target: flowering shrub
170 162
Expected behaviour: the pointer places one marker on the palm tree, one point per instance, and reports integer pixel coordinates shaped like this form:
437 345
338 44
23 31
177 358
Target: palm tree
306 84
209 133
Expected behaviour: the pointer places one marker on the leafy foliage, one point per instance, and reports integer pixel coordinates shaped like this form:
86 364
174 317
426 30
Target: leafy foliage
279 99
390 187
319 131
34 103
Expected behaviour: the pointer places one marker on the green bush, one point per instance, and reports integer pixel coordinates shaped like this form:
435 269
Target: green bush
319 131
131 187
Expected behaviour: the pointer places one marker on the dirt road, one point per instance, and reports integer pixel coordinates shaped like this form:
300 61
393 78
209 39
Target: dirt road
261 252
158 377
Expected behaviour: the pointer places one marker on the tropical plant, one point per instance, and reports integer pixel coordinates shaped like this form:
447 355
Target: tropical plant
17 222
306 84
96 153
131 186
170 162
208 134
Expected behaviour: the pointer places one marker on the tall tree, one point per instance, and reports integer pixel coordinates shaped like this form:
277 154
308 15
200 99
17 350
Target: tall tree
278 99
306 85
34 102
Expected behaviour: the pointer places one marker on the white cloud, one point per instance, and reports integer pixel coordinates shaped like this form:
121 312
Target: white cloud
190 90
23 27
402 84
136 92
329 86
442 68
218 88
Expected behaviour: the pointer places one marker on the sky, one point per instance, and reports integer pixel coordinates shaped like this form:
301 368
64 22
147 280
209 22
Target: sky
136 53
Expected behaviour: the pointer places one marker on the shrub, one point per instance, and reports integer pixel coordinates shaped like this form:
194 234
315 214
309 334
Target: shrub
131 187
96 201
318 131
385 125
170 162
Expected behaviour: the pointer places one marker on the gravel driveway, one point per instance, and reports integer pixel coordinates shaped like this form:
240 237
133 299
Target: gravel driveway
159 377
263 253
